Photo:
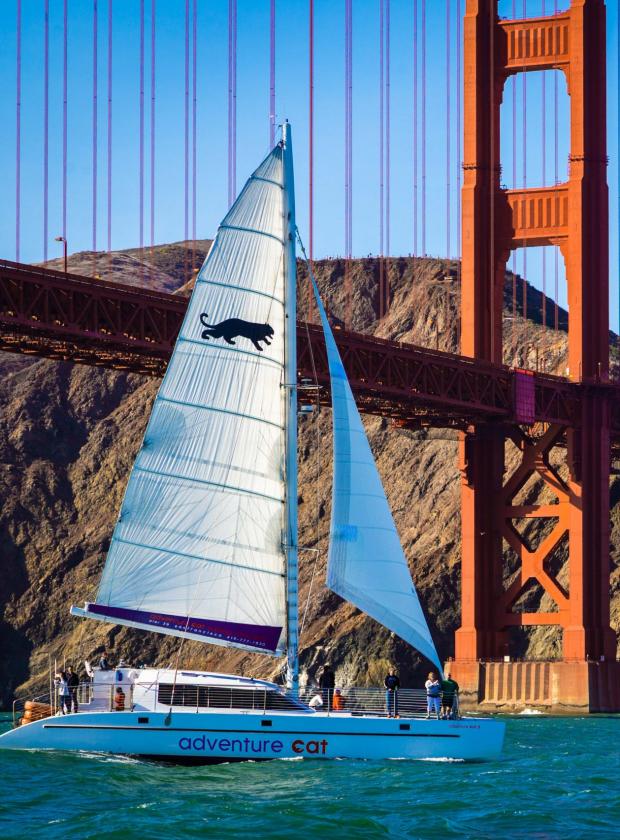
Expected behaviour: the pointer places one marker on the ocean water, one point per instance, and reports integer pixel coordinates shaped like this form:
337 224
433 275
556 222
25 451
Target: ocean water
558 778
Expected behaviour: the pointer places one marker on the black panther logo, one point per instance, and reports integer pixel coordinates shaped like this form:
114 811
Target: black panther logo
235 327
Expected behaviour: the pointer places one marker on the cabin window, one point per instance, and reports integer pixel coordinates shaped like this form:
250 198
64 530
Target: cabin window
143 720
216 697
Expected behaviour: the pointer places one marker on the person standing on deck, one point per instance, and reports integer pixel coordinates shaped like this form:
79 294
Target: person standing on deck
64 693
392 684
104 664
449 701
326 684
73 681
433 695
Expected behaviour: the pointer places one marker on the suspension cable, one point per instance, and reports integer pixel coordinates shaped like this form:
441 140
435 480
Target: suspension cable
141 142
94 146
18 129
46 95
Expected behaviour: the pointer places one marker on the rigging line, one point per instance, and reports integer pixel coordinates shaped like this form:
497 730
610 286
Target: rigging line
448 133
18 128
272 74
317 442
415 127
64 121
186 146
152 161
94 151
141 141
109 185
46 93
424 127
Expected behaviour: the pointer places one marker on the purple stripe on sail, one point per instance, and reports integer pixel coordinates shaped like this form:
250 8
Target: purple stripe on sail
253 635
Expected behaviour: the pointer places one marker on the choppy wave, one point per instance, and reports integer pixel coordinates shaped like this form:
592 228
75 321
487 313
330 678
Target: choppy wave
537 790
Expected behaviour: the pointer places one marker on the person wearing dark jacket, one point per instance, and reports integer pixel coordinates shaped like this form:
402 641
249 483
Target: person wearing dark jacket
73 681
104 664
327 683
392 684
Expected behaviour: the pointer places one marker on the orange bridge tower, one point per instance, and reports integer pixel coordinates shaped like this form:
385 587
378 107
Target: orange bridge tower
574 217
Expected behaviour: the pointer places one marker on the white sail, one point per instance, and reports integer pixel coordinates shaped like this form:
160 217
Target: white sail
366 563
199 548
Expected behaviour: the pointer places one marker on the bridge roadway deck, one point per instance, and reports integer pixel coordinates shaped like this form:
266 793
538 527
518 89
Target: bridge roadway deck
74 318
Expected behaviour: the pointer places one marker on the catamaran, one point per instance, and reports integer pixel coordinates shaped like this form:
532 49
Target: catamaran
205 546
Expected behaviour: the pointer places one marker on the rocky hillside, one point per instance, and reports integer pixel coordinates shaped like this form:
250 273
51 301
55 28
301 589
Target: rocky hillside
68 435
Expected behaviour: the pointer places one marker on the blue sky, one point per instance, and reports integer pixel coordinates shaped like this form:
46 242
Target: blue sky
253 122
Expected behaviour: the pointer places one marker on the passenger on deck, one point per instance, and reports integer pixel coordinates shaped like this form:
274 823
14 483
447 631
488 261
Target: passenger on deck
337 701
64 693
119 700
73 681
449 700
433 695
104 665
326 684
392 684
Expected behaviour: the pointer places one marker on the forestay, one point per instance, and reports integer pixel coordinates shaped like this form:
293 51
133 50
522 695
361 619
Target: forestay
366 563
198 547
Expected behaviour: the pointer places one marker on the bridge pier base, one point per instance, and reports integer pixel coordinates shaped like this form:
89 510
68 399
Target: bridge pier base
560 687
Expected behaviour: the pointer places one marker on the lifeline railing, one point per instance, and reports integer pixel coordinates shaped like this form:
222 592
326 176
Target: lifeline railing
376 702
405 702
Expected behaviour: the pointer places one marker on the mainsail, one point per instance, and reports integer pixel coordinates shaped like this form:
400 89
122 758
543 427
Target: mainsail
199 549
366 564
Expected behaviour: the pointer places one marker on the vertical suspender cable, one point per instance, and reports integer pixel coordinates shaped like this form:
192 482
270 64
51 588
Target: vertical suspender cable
194 127
524 153
493 164
311 138
110 10
381 155
234 159
232 100
459 248
46 93
424 127
618 184
152 161
514 186
348 157
415 126
544 181
272 74
141 139
448 133
386 275
18 129
94 153
186 145
64 120
556 177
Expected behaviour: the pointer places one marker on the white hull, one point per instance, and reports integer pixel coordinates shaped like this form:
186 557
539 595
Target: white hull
232 736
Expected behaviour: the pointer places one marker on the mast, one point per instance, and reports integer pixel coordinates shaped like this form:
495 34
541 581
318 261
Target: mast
290 271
